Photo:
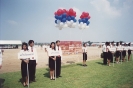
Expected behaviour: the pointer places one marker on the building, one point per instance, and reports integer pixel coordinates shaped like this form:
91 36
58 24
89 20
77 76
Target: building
10 44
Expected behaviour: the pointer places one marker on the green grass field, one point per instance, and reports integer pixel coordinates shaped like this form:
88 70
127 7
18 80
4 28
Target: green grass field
95 75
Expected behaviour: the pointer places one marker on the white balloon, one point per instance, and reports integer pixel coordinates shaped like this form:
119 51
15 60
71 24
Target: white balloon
81 23
60 28
65 25
61 24
58 21
71 21
68 23
73 25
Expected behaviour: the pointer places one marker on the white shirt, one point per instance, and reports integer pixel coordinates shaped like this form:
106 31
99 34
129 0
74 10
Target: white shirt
108 48
35 53
0 57
104 48
59 50
84 49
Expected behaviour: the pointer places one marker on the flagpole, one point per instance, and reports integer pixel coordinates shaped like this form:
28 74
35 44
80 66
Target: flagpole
28 75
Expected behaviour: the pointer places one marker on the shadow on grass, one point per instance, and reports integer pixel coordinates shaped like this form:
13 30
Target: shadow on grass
79 64
2 82
21 80
47 73
100 63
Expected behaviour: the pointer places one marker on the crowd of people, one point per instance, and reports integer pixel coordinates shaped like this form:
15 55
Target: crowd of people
119 55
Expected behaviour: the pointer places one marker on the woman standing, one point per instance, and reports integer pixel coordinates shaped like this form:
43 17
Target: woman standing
84 50
52 61
24 64
117 52
109 53
124 52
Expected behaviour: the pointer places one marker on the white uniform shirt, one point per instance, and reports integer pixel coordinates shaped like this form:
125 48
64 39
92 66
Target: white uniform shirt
59 49
22 52
84 49
0 57
104 48
108 48
35 53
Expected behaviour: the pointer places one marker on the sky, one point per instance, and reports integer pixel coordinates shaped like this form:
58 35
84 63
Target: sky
111 20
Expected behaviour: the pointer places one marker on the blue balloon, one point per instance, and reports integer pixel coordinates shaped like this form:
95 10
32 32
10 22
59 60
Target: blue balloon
63 20
87 22
56 17
64 15
56 21
83 20
68 18
86 19
72 17
60 17
80 21
75 20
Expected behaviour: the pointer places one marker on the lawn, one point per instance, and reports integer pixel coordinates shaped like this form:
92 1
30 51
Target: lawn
95 75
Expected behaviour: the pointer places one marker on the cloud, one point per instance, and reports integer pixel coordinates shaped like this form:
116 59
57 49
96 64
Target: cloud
116 1
105 7
12 22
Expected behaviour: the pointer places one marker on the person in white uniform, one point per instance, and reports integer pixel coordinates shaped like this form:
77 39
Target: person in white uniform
105 54
84 50
32 62
58 59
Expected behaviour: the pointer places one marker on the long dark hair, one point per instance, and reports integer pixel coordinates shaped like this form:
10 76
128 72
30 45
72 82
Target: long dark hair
25 45
51 45
84 44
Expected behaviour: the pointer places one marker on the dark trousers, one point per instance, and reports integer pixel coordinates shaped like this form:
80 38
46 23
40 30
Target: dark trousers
23 70
32 69
58 66
105 58
112 57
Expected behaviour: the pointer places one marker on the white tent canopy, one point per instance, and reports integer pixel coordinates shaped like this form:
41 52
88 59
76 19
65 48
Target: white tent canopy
9 42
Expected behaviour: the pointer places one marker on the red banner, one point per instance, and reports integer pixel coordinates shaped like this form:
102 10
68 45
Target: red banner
71 47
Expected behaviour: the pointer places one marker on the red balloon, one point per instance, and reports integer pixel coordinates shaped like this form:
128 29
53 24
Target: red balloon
89 17
64 11
55 13
59 12
82 16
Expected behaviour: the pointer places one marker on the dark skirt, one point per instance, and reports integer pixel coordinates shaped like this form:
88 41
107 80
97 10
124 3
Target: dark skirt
124 53
129 52
51 63
84 56
109 55
23 69
117 54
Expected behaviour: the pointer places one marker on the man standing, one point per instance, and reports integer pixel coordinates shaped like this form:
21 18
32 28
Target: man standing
32 61
58 59
105 54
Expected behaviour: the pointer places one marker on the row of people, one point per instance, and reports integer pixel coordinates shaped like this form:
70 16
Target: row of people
119 54
32 62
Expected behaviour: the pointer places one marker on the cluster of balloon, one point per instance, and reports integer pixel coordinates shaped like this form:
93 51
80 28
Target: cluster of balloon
84 20
65 18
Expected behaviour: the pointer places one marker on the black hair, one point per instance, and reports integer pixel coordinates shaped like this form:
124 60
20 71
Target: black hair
84 44
120 43
117 43
57 41
125 44
51 45
129 44
30 41
25 45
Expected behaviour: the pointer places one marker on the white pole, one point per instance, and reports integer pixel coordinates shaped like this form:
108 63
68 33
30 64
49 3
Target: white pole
121 57
55 69
113 59
28 75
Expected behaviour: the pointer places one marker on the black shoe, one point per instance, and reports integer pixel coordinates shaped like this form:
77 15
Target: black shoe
34 80
85 65
60 76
